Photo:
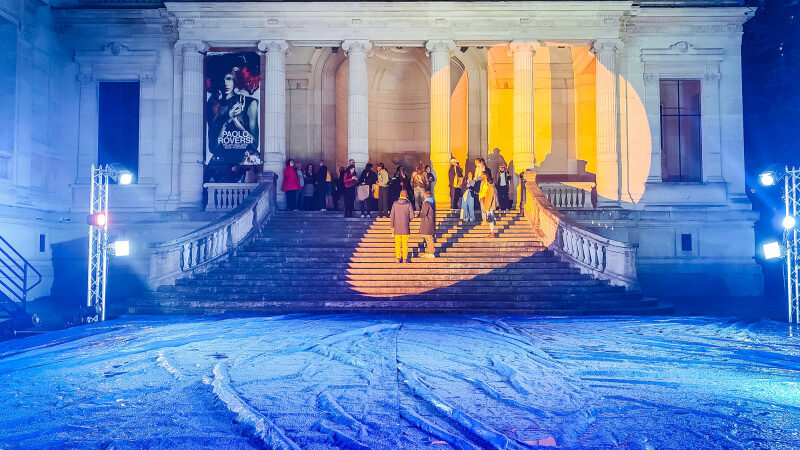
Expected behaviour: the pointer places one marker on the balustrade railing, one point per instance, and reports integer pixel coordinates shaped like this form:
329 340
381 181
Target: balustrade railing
572 195
591 253
227 196
193 252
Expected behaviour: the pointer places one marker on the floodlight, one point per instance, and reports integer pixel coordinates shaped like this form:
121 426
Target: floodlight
767 178
788 222
772 250
97 219
120 248
125 178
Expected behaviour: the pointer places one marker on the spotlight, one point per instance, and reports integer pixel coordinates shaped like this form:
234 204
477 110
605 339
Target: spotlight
125 178
767 178
464 49
771 250
99 220
120 248
788 222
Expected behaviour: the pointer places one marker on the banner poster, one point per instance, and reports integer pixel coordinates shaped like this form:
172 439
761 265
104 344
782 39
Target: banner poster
232 111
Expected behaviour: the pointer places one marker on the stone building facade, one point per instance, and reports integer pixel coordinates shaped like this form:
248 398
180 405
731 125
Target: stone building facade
633 107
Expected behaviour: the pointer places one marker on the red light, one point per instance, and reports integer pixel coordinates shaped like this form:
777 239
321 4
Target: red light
97 220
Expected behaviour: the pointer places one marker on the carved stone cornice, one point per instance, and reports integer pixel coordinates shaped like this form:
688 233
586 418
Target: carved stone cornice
440 46
356 46
191 46
273 46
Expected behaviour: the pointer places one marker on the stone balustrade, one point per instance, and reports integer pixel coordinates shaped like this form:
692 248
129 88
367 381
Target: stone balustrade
192 252
582 248
227 196
572 195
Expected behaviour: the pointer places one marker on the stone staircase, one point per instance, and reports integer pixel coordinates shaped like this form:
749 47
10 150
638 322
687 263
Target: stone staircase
319 261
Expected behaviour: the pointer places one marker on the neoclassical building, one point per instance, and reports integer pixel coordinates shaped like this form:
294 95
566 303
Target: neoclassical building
629 112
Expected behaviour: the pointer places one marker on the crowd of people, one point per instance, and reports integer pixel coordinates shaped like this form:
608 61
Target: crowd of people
374 189
401 196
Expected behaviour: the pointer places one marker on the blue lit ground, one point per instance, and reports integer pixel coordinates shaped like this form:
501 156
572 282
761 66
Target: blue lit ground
361 381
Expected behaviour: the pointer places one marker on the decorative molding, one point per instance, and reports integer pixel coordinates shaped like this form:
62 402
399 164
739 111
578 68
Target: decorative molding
273 46
117 61
524 45
439 46
606 45
356 46
682 51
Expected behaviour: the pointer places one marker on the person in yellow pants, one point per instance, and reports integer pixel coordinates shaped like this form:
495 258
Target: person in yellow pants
400 218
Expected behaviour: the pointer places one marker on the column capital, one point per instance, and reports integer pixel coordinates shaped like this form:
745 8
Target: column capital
356 46
440 46
271 46
606 45
85 75
525 46
190 46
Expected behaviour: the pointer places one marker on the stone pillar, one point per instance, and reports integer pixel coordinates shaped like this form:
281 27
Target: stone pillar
357 104
177 86
192 101
87 124
608 178
439 52
275 108
524 158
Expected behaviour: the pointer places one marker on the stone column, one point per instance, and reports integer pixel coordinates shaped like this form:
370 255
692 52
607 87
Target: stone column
608 178
523 51
275 108
440 52
357 105
192 101
87 124
177 87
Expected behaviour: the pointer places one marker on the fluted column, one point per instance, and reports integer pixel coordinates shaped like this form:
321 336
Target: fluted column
192 154
357 105
524 157
440 52
608 181
275 108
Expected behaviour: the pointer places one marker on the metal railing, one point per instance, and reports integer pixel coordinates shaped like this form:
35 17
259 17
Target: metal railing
17 278
582 248
194 251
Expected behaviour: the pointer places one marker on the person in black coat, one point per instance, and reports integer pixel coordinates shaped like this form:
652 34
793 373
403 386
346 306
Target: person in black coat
321 187
427 224
368 178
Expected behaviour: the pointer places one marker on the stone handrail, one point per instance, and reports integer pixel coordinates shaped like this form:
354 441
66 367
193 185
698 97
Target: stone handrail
569 195
192 252
582 248
227 196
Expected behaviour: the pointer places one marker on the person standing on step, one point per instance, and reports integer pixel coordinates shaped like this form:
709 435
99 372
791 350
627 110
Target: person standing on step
419 182
488 196
455 177
502 185
365 182
431 178
338 188
427 224
400 219
349 181
383 191
300 198
291 185
468 200
309 180
322 186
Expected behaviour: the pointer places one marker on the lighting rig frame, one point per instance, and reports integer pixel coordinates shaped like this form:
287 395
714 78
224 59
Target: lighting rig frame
791 235
98 237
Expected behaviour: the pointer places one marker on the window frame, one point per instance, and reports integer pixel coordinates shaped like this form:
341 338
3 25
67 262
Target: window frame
699 120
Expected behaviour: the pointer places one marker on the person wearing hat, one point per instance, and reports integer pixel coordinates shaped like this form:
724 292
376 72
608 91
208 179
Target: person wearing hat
456 177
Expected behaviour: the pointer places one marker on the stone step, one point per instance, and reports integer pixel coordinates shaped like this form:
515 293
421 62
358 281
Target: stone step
396 281
250 280
325 244
258 265
336 289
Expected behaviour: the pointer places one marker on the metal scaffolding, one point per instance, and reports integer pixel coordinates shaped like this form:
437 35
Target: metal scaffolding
790 242
98 245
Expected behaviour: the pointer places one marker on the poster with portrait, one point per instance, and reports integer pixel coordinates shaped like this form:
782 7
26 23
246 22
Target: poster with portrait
232 112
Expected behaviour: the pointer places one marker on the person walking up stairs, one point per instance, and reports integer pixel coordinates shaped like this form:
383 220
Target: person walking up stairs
400 219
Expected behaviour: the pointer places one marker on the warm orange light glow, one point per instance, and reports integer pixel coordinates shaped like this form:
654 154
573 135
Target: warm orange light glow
459 120
501 101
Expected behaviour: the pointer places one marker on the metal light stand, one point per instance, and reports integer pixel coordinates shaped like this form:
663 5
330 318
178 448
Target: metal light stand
98 245
791 244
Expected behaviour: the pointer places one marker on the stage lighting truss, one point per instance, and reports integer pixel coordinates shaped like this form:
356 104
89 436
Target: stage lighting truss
98 237
791 237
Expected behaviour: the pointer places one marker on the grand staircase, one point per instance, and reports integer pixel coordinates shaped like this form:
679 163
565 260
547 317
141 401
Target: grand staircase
319 261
